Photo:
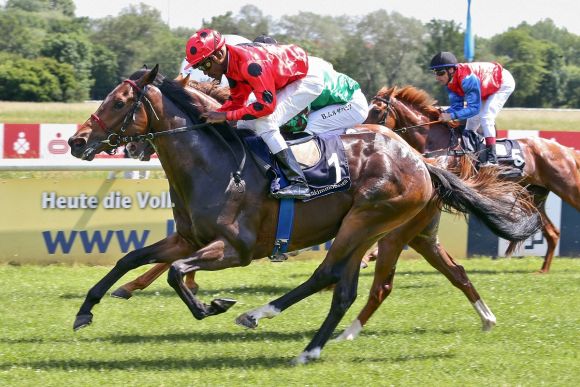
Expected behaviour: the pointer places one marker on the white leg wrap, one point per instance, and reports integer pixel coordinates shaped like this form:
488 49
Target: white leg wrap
487 317
306 356
351 332
267 311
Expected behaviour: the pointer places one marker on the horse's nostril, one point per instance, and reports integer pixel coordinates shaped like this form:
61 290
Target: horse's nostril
76 142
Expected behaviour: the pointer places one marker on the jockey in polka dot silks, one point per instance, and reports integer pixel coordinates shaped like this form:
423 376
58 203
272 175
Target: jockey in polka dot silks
284 81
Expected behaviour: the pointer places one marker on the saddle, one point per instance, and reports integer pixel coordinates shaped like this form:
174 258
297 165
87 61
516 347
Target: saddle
509 153
321 157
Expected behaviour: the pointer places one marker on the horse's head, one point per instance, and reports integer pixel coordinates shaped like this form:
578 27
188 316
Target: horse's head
127 111
411 113
380 109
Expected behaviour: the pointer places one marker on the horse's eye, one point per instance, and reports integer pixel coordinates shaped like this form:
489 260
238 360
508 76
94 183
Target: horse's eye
119 105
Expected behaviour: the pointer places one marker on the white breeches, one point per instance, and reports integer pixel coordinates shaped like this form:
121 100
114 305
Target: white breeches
290 101
337 116
492 106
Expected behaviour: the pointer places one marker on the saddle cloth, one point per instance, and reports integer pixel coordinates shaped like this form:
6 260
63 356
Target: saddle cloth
322 158
508 151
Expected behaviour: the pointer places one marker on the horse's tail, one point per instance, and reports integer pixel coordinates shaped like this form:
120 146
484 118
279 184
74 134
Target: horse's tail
505 207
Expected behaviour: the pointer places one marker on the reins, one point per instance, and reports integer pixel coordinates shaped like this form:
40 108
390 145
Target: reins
403 130
114 140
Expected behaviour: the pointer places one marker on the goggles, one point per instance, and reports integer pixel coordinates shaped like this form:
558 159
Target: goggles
204 65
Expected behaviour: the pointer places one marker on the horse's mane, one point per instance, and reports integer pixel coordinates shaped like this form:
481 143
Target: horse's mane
419 98
175 92
214 90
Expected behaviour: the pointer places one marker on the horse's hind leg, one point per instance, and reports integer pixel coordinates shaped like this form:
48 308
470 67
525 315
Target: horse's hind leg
428 246
387 254
552 235
144 280
166 250
341 267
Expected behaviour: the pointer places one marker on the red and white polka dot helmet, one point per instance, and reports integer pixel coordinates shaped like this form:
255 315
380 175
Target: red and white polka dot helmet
202 44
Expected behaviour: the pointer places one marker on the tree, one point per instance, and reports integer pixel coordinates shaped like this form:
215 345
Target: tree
138 36
571 93
39 80
321 36
104 70
66 7
522 56
249 22
384 51
22 32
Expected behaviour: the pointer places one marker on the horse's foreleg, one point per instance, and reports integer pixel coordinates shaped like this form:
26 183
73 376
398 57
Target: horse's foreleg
190 282
217 255
166 250
388 250
343 297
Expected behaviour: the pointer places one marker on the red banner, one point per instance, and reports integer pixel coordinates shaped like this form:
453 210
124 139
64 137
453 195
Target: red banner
21 141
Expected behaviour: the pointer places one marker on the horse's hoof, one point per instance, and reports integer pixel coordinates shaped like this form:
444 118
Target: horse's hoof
221 305
247 321
306 357
488 325
121 293
83 320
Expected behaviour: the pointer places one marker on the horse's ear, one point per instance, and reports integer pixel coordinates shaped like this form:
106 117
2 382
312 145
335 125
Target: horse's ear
151 75
184 80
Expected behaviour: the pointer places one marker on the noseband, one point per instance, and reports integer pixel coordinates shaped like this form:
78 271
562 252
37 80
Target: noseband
114 140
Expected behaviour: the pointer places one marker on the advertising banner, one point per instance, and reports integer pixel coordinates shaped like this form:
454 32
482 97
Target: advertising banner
21 141
92 221
98 221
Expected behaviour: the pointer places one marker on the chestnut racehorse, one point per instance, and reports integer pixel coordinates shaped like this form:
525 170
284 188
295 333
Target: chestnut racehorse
225 217
549 166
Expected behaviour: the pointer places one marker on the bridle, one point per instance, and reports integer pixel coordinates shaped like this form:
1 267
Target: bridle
385 115
114 140
453 140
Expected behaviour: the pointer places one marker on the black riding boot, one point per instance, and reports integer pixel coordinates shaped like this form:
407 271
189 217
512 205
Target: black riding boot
298 188
491 156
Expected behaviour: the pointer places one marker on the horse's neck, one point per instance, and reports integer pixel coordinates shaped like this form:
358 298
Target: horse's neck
426 138
439 137
195 160
204 102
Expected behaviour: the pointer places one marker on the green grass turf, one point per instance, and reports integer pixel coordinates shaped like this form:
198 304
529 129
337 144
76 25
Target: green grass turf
426 334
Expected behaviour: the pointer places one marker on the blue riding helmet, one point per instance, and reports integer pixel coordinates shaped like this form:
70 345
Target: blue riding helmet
443 59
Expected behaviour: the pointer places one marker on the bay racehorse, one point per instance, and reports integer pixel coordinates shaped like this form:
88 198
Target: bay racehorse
549 166
420 234
225 217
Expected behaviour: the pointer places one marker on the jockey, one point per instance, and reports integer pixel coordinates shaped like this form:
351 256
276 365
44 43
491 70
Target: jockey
285 81
477 92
